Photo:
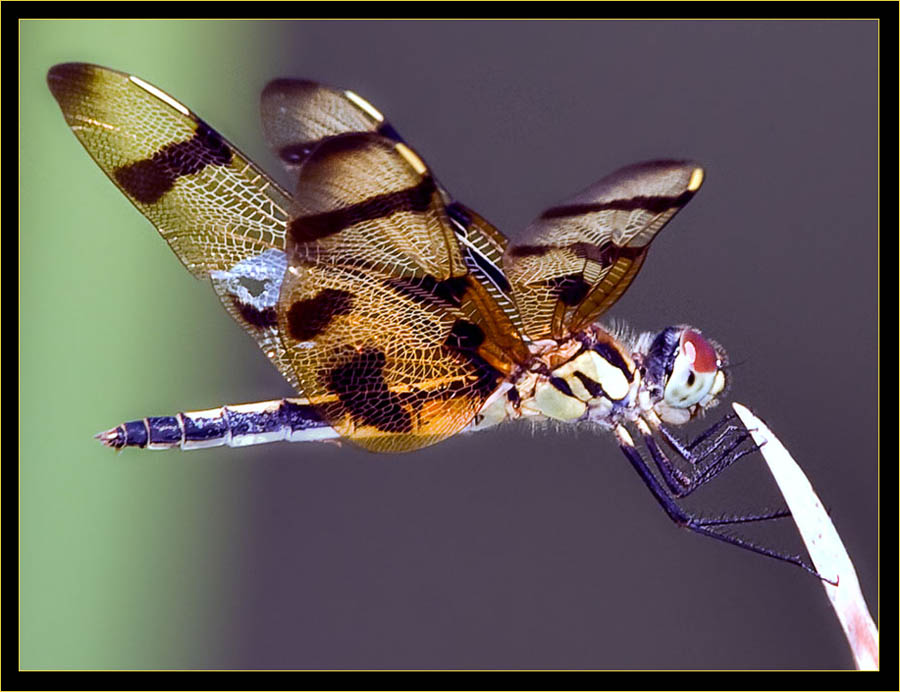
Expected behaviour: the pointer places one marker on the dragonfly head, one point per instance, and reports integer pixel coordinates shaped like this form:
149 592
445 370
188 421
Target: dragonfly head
687 371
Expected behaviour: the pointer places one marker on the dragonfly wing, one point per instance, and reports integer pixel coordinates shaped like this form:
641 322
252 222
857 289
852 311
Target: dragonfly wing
578 258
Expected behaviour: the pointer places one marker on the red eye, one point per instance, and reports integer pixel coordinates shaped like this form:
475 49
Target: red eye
705 358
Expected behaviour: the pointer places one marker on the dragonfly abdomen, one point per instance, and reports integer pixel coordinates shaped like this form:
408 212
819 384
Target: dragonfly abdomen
291 420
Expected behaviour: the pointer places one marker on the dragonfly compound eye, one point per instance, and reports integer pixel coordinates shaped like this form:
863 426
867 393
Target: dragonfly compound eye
696 375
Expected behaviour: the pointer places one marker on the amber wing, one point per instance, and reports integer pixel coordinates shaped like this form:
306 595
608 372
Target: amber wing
390 330
357 289
223 217
576 260
298 115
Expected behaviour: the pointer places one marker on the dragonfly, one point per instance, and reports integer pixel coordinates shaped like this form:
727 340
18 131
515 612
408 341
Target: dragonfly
399 315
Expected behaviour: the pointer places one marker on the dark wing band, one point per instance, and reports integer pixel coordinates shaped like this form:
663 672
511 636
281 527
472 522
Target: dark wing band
222 215
579 257
298 115
396 312
391 335
374 295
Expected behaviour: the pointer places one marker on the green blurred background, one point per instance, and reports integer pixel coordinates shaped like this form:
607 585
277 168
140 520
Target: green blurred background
513 549
125 561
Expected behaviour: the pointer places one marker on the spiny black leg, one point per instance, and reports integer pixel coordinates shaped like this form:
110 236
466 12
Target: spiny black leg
719 521
680 483
722 462
687 450
709 431
741 543
626 444
696 524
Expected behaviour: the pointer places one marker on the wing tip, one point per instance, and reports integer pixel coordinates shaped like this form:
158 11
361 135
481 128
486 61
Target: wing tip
66 73
696 179
282 87
657 165
68 81
655 177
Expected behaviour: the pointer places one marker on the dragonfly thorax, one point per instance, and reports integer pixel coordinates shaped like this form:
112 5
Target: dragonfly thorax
608 377
589 376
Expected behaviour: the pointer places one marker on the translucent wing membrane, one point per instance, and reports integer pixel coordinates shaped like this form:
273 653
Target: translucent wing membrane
482 247
298 114
364 195
579 257
362 202
210 203
364 288
223 217
385 325
394 363
387 313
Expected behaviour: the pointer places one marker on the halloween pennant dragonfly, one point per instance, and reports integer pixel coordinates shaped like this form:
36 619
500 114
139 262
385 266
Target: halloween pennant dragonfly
400 315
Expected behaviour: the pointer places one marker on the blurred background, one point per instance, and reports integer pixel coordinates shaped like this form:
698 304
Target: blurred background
516 548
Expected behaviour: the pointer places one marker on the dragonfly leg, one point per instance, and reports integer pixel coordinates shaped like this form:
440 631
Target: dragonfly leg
725 422
704 527
707 458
